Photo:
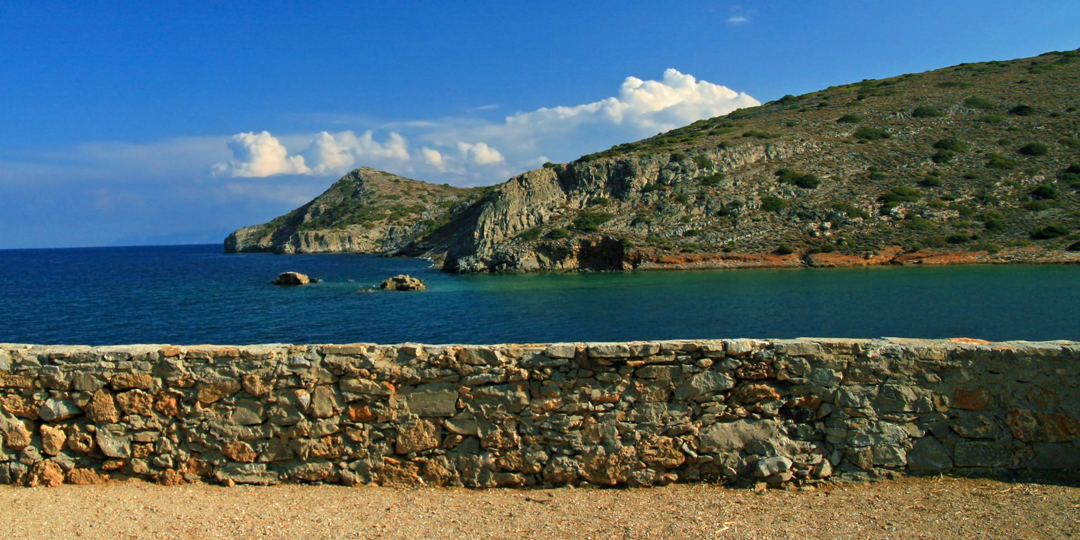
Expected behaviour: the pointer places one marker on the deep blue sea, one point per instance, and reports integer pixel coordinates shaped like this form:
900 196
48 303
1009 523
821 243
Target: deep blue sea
197 294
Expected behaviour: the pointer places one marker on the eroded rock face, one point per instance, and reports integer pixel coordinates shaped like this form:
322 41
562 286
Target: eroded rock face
292 278
620 414
403 282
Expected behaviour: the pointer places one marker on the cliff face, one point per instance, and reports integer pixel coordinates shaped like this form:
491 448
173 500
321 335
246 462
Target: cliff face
975 163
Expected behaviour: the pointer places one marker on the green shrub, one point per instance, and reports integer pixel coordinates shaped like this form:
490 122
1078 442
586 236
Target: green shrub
712 180
993 119
682 198
930 182
703 162
1037 206
849 119
649 188
639 220
962 209
998 161
957 238
770 203
994 225
979 103
530 234
1075 246
784 249
678 157
938 204
558 233
1049 231
917 223
936 241
942 156
824 247
952 144
1070 142
760 134
871 134
599 201
1022 110
1044 191
851 210
692 232
1034 149
925 111
900 194
806 181
549 165
591 221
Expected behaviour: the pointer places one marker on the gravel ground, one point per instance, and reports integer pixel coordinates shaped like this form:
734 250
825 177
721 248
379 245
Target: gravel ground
906 508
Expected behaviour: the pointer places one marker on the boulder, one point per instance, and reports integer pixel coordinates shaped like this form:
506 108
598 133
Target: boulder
403 282
292 278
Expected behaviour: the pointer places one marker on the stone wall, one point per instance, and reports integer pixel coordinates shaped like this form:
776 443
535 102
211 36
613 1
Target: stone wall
645 413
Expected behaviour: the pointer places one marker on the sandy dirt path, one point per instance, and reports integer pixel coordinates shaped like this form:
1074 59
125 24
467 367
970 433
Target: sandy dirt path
907 508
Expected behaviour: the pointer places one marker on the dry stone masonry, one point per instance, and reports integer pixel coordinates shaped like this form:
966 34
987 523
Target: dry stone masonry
644 413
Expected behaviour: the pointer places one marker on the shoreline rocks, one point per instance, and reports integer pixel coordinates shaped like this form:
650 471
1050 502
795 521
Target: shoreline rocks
292 278
402 282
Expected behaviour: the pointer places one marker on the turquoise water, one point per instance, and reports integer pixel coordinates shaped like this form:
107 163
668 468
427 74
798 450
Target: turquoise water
196 294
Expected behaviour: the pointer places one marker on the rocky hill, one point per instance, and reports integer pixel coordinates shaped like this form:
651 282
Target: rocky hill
366 211
973 163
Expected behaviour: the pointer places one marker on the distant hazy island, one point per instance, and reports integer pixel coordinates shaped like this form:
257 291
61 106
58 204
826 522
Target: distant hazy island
972 163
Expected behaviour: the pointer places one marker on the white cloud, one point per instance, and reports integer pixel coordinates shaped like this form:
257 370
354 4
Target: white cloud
434 158
479 153
738 19
258 155
472 151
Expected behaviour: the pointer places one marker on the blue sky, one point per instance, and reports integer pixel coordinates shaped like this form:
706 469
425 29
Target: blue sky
131 122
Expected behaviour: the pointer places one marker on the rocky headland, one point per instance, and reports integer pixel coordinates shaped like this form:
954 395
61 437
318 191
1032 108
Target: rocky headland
976 163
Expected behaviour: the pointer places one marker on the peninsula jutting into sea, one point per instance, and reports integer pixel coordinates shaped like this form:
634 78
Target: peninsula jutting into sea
972 163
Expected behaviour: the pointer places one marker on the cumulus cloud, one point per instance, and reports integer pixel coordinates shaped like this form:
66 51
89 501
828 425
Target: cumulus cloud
259 154
471 151
479 153
642 106
738 19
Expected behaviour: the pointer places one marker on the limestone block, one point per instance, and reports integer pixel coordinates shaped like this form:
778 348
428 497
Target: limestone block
705 383
113 441
1032 426
58 409
732 436
560 350
215 388
248 412
416 436
432 399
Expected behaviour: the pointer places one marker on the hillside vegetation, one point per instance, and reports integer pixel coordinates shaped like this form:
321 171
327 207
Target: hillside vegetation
972 163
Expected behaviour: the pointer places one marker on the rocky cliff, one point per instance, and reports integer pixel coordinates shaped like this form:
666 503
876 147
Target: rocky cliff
973 163
366 211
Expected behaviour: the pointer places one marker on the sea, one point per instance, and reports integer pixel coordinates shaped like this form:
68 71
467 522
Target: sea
188 295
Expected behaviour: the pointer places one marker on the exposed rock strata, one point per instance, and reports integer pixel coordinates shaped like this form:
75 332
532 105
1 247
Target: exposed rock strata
739 411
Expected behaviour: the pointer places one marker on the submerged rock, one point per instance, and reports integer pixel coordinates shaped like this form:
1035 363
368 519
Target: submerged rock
403 282
292 278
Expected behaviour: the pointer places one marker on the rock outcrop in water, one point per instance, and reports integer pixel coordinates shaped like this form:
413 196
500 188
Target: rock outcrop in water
963 164
403 282
292 278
